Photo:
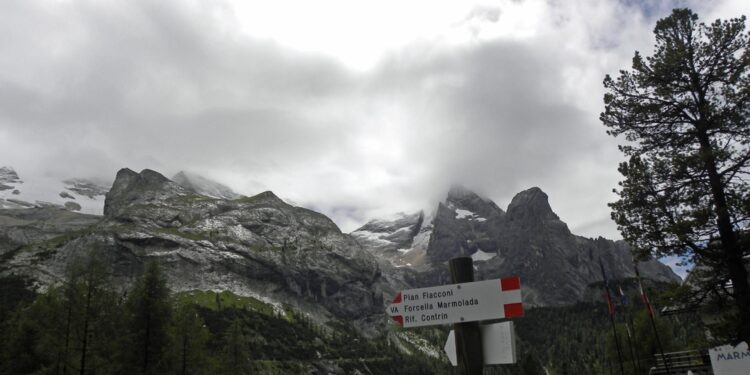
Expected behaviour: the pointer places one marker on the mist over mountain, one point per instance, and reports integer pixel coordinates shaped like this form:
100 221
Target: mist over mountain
528 239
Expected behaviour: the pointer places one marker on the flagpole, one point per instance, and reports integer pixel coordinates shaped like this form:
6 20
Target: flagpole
623 302
617 343
651 317
607 359
635 355
612 318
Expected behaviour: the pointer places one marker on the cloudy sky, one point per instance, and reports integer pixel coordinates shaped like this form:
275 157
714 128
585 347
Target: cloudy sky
356 109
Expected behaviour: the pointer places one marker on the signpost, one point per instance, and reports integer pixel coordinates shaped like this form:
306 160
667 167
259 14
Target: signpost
463 303
730 360
457 303
498 344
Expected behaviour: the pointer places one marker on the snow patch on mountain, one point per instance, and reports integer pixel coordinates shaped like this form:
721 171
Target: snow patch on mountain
75 194
481 256
463 214
468 215
372 236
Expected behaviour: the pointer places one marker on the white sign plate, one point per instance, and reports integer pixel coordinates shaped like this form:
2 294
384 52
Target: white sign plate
498 344
456 303
730 360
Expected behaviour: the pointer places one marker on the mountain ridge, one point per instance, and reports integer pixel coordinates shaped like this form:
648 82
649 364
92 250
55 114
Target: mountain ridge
528 239
262 247
252 246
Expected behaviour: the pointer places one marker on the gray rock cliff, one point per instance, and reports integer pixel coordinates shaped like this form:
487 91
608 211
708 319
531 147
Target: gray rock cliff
528 240
255 246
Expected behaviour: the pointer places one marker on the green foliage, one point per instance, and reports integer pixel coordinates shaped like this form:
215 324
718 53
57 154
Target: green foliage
685 114
203 332
14 291
220 300
71 326
148 315
196 332
236 354
190 335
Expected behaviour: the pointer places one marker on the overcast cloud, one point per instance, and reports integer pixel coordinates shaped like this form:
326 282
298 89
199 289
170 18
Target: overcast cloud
357 110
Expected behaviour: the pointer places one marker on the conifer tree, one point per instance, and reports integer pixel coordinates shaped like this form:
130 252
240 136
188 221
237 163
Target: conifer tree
149 313
190 337
685 114
235 350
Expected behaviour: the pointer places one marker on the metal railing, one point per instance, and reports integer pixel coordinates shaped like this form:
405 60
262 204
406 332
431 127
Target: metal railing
681 362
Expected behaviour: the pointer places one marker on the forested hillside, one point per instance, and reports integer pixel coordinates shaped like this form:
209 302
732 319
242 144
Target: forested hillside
89 325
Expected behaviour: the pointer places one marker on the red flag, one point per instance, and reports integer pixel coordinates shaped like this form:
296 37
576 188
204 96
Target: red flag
644 297
610 306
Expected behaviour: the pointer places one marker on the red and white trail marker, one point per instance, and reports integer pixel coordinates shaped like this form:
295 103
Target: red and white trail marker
456 303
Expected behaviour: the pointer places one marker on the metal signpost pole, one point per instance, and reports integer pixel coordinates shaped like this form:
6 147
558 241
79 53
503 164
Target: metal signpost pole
468 337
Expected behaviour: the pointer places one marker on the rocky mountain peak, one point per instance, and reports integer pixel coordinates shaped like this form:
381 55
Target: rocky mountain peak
130 188
268 197
531 205
464 199
204 186
8 175
459 192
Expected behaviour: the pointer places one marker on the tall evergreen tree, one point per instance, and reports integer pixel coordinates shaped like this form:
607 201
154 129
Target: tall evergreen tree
68 329
685 114
236 361
89 292
23 333
149 313
190 338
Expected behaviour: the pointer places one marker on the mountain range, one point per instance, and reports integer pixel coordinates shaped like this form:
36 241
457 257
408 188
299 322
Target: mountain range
208 237
528 239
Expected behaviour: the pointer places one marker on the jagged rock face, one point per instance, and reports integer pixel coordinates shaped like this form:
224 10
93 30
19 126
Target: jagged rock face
8 178
464 224
530 210
528 240
21 228
399 242
132 189
203 186
387 237
257 246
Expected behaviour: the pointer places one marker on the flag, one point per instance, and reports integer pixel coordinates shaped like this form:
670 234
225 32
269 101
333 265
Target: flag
644 297
624 302
623 297
606 288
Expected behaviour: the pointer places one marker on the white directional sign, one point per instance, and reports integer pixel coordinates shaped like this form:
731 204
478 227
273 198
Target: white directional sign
498 344
456 303
730 360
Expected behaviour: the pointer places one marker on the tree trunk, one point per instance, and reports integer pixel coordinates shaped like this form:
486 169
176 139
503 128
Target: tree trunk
86 313
146 341
67 336
732 251
184 352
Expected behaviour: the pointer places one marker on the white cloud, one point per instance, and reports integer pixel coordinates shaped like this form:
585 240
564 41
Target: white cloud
357 109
